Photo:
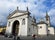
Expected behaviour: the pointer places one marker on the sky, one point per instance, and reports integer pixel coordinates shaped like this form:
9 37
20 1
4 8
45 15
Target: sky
36 7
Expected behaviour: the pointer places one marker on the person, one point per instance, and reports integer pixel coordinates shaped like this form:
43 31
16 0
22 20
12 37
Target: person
14 37
18 38
34 36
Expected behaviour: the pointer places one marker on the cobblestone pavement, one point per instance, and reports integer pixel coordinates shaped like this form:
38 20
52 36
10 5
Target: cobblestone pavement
30 38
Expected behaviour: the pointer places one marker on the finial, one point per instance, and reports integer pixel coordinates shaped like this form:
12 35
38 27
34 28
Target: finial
28 11
17 7
34 18
46 13
27 8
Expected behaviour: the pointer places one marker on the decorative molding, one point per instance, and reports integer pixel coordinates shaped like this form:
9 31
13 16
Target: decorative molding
17 16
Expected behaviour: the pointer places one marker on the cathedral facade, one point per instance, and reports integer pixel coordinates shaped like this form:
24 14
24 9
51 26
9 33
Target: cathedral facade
20 23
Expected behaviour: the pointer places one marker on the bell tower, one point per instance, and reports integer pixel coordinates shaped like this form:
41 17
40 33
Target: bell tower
47 19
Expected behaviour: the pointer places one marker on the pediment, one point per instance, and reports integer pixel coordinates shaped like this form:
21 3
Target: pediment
17 13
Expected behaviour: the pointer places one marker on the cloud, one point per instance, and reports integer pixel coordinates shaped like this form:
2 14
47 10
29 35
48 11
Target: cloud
36 7
51 12
52 16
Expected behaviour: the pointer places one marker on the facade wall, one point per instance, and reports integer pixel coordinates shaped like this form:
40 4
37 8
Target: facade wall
22 28
31 28
42 29
51 30
35 30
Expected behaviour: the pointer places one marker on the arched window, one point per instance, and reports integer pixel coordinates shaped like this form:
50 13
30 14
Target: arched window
23 22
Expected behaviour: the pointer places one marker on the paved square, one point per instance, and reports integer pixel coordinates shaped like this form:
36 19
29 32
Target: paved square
29 38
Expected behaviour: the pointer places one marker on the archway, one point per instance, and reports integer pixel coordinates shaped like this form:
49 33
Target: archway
15 28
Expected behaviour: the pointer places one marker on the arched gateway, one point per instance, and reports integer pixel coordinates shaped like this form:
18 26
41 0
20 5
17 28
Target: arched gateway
15 28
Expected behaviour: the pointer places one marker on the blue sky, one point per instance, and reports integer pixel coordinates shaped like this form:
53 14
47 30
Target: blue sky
36 7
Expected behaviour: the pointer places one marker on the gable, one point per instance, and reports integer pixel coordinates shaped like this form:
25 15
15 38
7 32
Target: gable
17 13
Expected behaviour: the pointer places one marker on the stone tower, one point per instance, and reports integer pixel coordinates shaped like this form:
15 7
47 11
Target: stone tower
47 19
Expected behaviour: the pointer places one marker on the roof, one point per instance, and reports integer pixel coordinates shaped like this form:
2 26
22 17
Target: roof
47 15
19 11
41 22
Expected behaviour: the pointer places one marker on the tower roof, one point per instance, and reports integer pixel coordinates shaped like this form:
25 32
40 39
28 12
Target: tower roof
47 14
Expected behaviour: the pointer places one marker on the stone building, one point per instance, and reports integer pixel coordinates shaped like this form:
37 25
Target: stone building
20 23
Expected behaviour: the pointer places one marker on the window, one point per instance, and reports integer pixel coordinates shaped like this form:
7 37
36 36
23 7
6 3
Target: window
23 22
48 30
40 26
9 24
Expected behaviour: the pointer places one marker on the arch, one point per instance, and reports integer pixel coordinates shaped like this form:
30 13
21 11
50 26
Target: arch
15 27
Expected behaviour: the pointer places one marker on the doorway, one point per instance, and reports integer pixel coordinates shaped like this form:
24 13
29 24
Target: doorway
15 28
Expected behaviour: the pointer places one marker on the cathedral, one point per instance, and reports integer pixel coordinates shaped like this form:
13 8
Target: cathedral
20 23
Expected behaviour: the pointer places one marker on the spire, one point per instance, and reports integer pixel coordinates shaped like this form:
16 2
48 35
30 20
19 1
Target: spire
47 14
47 19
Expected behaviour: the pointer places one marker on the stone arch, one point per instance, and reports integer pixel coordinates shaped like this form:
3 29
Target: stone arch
15 27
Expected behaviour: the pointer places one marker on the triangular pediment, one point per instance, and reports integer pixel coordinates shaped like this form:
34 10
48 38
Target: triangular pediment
17 13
